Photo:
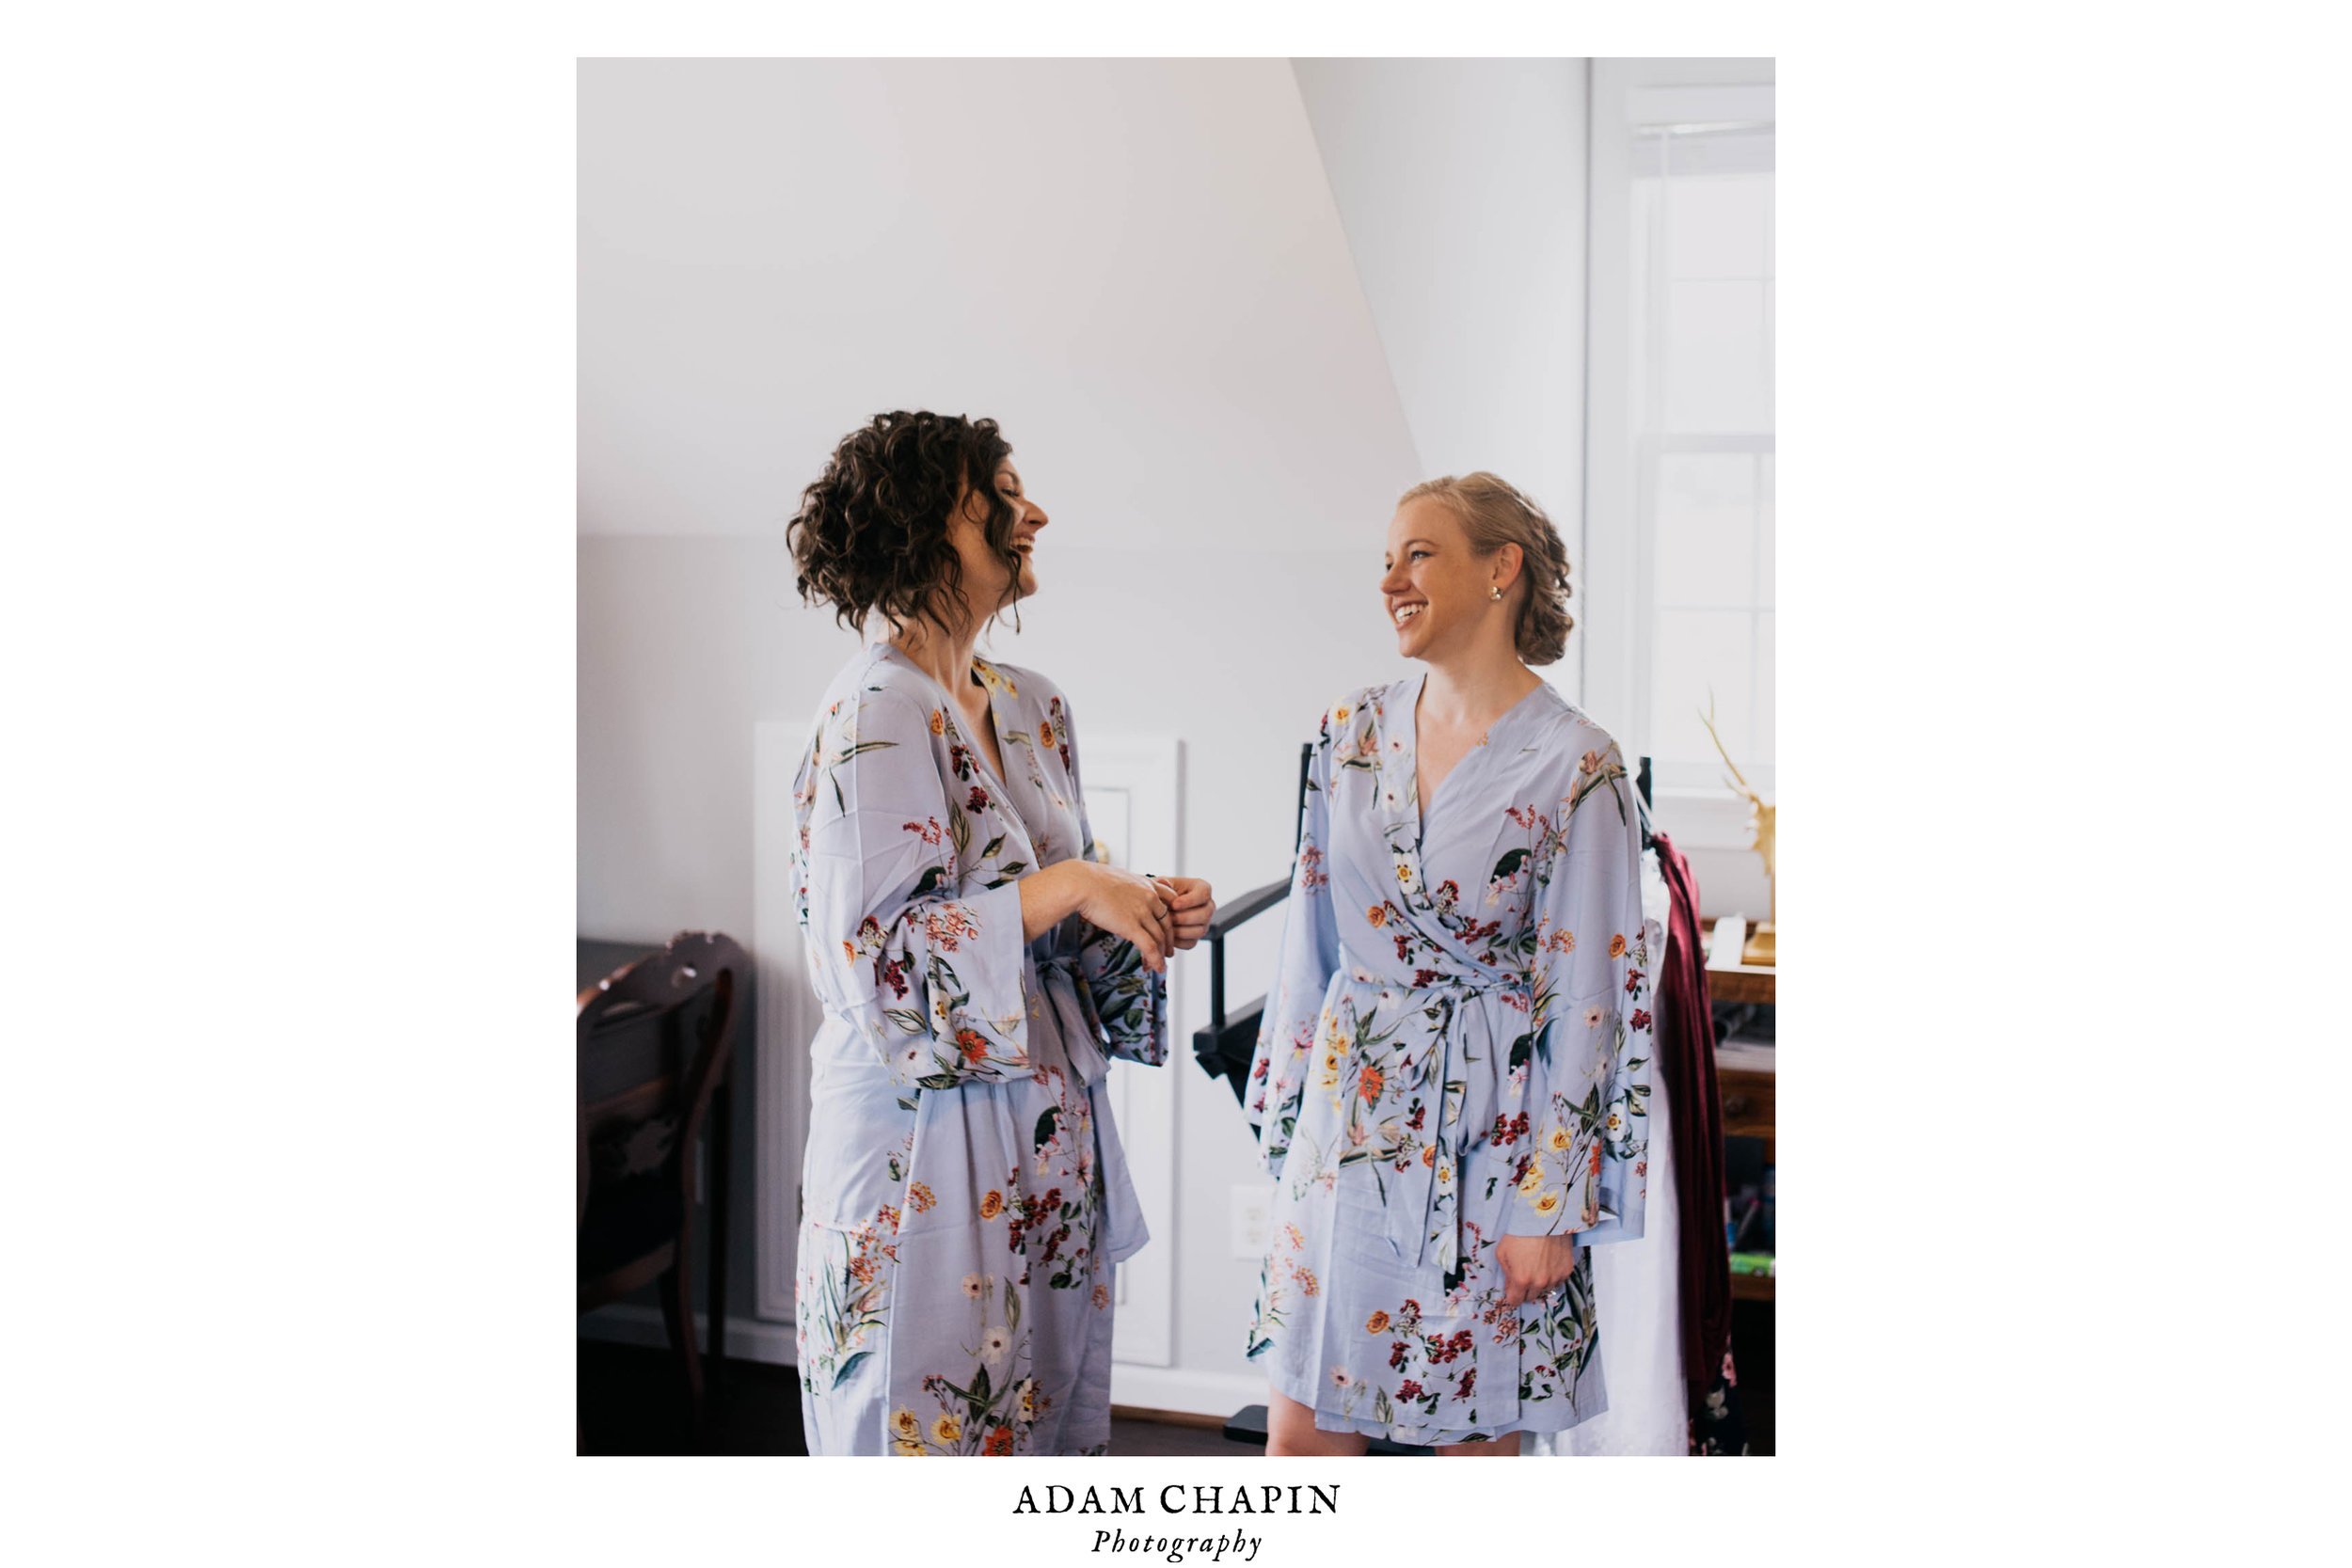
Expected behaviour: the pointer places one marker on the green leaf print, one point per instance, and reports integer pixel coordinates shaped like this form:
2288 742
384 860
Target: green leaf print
1601 780
932 878
1045 1128
848 1366
833 770
1507 865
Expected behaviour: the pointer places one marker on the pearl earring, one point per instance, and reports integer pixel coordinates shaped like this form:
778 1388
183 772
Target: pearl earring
1495 593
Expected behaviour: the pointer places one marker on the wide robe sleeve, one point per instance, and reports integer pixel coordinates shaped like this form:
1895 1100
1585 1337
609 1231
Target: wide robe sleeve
929 971
1587 1054
1308 955
1130 1000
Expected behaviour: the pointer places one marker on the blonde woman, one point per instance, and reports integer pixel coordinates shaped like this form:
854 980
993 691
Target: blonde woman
1451 1077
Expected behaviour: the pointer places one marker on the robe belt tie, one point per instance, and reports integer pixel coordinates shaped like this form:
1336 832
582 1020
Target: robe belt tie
1423 1218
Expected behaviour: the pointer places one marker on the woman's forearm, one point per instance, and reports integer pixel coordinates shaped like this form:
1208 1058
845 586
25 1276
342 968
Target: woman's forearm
1050 897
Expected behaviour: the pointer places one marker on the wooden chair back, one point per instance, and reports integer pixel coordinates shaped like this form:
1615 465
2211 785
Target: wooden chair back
653 1039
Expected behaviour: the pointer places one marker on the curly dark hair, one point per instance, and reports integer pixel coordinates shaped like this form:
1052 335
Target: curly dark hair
871 538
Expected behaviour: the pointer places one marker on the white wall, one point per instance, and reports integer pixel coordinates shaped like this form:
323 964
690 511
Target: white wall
1134 264
1141 269
1461 185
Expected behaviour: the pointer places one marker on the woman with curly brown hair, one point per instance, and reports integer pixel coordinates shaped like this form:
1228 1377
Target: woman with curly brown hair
1451 1077
965 1196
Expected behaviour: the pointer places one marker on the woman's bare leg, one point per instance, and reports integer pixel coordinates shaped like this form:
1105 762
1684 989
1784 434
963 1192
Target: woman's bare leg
1290 1431
1504 1447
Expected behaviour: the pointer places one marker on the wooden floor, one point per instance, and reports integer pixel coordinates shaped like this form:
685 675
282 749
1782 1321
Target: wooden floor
631 1402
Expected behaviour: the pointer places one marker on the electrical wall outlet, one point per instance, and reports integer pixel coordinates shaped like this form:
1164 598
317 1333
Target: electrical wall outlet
1253 1220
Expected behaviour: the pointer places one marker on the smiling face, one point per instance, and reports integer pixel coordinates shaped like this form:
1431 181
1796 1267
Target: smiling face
987 581
1436 589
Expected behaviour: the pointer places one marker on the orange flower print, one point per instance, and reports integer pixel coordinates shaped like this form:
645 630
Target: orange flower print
907 1425
1429 1154
1101 1297
939 721
1378 914
1596 1164
848 951
1369 1085
993 1205
1046 732
1306 1282
1561 942
973 1043
999 1441
948 923
920 1196
1376 1323
1591 763
1616 945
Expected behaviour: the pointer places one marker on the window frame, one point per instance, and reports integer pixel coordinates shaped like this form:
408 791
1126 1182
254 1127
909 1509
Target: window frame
1711 98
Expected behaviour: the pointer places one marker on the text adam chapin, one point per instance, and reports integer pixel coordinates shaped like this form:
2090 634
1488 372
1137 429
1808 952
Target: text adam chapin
1177 1497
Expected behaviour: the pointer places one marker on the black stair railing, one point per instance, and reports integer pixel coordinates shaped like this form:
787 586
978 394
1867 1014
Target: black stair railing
1225 1048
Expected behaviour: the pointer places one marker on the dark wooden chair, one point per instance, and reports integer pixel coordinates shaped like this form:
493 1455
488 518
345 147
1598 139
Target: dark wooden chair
655 1040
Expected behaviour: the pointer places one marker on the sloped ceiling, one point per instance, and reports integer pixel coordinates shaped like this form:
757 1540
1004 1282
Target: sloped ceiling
1136 267
1461 185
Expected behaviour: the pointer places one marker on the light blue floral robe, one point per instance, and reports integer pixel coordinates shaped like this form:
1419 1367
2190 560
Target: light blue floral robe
964 1195
1456 1048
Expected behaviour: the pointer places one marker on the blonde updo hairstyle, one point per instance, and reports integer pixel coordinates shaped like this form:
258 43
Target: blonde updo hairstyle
1495 513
